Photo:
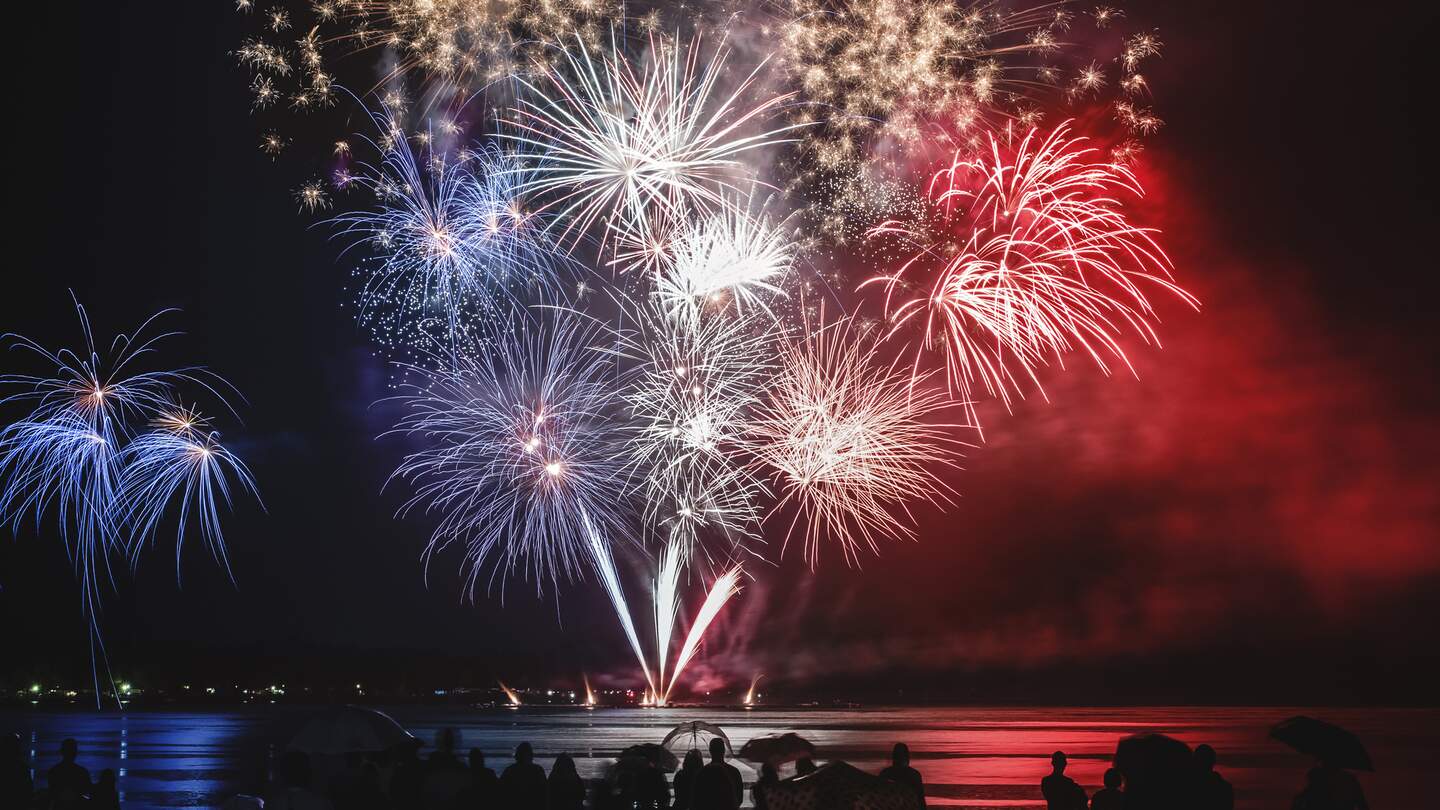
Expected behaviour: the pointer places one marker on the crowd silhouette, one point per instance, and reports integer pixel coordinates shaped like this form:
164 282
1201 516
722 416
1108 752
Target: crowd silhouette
401 780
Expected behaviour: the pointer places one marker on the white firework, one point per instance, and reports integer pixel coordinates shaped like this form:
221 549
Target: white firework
849 443
723 258
688 392
631 144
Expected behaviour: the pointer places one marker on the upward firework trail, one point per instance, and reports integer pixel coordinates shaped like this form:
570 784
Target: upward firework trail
725 587
1048 264
604 564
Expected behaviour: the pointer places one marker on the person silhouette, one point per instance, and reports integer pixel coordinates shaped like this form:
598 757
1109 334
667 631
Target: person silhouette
719 785
1109 797
652 792
68 781
804 766
444 774
523 785
1060 791
900 771
1209 791
685 780
567 792
768 776
16 787
1328 787
484 787
106 793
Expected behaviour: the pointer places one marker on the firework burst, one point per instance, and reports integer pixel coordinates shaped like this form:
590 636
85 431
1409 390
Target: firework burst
632 145
688 392
450 238
848 443
1048 263
79 451
725 257
521 451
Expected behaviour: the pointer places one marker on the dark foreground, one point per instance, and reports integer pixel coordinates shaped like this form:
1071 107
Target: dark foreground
969 757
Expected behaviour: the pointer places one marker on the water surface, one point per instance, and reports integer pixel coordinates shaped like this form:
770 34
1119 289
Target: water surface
970 757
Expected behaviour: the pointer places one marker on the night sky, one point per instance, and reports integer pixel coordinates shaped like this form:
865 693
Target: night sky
1256 518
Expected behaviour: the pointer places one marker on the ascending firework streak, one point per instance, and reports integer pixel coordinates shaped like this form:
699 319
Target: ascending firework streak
610 579
79 450
667 604
510 694
1050 265
725 586
645 143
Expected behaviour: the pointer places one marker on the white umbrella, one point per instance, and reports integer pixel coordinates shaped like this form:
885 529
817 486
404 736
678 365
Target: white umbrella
693 733
350 728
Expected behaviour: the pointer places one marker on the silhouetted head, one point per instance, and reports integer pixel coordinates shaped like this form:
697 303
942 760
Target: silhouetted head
717 749
295 769
524 754
1204 757
1058 761
477 758
900 755
69 749
804 765
446 740
768 773
693 759
564 767
1113 778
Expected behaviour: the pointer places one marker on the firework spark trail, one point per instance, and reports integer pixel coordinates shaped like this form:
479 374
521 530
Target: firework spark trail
180 463
667 605
724 587
76 450
450 238
728 255
1051 264
521 451
688 390
848 442
645 143
604 564
414 232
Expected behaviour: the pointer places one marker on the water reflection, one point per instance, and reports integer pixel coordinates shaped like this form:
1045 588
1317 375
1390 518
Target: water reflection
969 757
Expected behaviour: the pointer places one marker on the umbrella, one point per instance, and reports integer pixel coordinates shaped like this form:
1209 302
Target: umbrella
840 786
350 728
775 750
694 732
1157 770
1326 742
657 755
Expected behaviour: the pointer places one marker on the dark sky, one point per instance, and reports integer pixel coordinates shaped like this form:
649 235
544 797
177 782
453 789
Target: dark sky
1257 517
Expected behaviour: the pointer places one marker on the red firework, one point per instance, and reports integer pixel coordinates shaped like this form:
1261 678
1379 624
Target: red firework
1030 256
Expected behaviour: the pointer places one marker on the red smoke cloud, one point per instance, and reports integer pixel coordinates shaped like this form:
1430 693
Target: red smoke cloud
1268 477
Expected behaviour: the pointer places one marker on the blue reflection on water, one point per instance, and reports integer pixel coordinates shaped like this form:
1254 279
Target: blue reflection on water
970 757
